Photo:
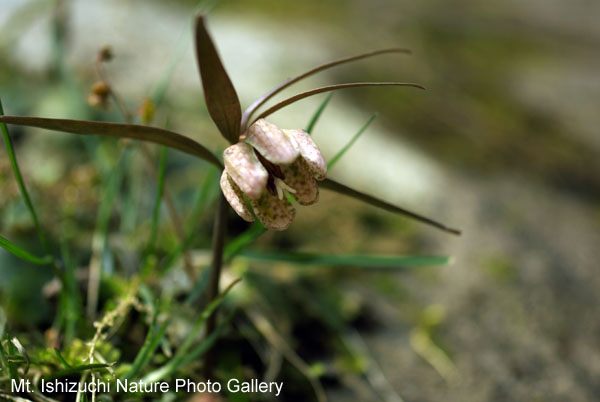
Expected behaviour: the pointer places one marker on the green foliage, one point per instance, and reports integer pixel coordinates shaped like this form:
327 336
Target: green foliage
149 327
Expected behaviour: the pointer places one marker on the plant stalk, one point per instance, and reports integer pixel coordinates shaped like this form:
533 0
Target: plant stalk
218 243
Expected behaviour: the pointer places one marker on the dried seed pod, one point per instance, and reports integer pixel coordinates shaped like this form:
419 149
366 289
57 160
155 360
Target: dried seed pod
147 111
105 53
98 96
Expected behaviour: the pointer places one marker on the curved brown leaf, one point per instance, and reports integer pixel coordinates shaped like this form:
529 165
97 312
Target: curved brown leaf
221 99
345 190
328 88
145 133
261 101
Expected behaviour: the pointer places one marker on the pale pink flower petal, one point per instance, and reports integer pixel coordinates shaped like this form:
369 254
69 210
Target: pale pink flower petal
245 169
234 197
310 152
274 213
270 141
298 177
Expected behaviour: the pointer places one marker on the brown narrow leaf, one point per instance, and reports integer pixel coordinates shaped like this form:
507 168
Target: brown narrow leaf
138 132
221 99
342 189
261 101
328 88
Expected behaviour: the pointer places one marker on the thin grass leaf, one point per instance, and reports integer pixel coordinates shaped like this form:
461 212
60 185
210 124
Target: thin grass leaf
221 99
197 351
199 287
160 89
22 351
5 363
345 190
70 303
350 260
207 312
13 398
62 359
137 132
76 369
315 117
243 240
204 195
2 324
261 101
193 355
10 353
23 254
182 353
100 237
356 136
19 177
162 164
155 334
329 88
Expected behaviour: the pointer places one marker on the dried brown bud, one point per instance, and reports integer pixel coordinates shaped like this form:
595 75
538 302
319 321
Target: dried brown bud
98 96
147 111
101 89
105 53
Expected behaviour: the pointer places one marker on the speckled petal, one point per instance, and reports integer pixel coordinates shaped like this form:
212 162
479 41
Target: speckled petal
274 213
298 177
245 169
310 153
234 197
271 142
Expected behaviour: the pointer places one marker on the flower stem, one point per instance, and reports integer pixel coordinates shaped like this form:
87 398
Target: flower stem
218 242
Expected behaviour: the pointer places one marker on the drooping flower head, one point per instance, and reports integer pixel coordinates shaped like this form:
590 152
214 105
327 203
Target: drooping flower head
265 166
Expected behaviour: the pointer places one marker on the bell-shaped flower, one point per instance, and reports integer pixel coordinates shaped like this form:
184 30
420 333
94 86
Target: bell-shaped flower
265 166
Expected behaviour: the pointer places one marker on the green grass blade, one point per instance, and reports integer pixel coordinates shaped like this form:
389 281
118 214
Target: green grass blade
350 260
23 254
356 136
162 164
76 369
70 303
2 323
315 117
3 360
182 354
5 363
204 195
243 240
197 351
155 334
19 177
62 359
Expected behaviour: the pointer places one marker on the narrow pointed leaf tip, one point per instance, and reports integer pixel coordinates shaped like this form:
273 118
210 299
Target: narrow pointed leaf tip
345 190
261 101
137 132
220 95
330 88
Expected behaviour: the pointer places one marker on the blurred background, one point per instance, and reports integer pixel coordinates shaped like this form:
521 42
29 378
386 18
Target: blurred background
503 144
